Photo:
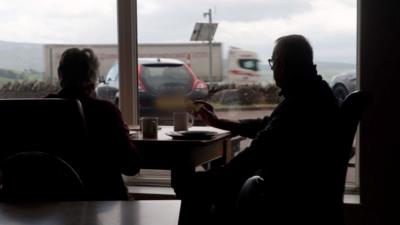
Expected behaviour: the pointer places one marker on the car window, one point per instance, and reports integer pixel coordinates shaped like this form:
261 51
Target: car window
157 75
249 64
112 74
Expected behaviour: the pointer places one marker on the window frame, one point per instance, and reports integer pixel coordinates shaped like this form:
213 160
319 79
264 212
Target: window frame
128 60
128 67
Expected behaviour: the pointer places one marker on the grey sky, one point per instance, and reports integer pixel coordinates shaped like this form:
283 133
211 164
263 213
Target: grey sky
255 24
330 25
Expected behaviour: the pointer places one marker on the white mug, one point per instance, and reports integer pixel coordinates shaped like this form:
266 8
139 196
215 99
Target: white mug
182 121
149 127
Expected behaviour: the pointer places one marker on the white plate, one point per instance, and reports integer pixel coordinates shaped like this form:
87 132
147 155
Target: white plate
192 135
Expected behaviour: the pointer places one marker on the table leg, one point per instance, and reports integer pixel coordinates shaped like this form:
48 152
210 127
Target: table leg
228 151
180 179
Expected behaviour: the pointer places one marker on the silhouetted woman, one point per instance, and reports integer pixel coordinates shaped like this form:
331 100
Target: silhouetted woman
110 153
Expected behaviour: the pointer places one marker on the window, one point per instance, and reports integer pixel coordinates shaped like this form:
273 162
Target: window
113 74
35 33
241 83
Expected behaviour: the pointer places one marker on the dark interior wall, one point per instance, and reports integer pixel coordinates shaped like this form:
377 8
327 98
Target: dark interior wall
379 69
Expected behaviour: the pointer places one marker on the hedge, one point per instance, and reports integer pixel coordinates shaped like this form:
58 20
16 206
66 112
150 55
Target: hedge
232 94
27 89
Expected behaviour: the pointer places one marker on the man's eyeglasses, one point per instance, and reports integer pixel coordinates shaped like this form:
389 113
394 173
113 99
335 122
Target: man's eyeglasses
271 63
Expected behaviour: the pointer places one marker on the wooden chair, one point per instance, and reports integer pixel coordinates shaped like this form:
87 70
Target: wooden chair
38 176
350 115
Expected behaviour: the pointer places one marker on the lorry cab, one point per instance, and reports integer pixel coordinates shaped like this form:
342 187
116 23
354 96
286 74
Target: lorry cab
243 66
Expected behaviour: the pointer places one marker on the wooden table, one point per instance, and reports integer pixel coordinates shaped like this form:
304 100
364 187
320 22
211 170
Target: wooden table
91 213
165 152
183 156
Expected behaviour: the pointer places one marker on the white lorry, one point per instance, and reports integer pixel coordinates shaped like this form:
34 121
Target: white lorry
241 66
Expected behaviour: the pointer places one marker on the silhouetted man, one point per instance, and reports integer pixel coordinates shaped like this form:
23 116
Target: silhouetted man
293 149
110 152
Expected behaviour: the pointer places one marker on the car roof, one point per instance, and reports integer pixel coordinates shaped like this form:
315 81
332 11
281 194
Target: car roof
159 61
342 77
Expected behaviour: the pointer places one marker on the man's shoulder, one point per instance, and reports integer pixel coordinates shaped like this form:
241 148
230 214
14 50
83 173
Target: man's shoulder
319 92
318 99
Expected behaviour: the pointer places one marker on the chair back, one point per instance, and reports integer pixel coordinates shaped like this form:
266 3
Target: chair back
55 127
38 176
251 199
350 115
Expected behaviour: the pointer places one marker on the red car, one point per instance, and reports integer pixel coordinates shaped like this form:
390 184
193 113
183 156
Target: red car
157 77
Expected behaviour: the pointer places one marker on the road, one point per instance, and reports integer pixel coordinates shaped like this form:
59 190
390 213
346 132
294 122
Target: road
244 114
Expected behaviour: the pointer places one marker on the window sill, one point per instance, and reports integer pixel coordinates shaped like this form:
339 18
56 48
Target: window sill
351 199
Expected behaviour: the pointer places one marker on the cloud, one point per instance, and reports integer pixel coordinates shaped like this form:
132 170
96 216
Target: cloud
71 21
235 10
252 24
330 26
255 24
157 16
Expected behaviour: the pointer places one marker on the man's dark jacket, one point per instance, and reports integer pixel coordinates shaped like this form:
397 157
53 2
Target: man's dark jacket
296 149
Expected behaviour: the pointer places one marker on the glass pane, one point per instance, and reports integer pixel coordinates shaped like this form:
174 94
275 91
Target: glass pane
35 33
241 83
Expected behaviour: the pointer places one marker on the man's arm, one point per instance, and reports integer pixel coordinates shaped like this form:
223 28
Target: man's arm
262 149
246 128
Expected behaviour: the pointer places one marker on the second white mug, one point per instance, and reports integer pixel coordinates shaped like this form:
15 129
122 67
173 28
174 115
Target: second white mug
182 121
